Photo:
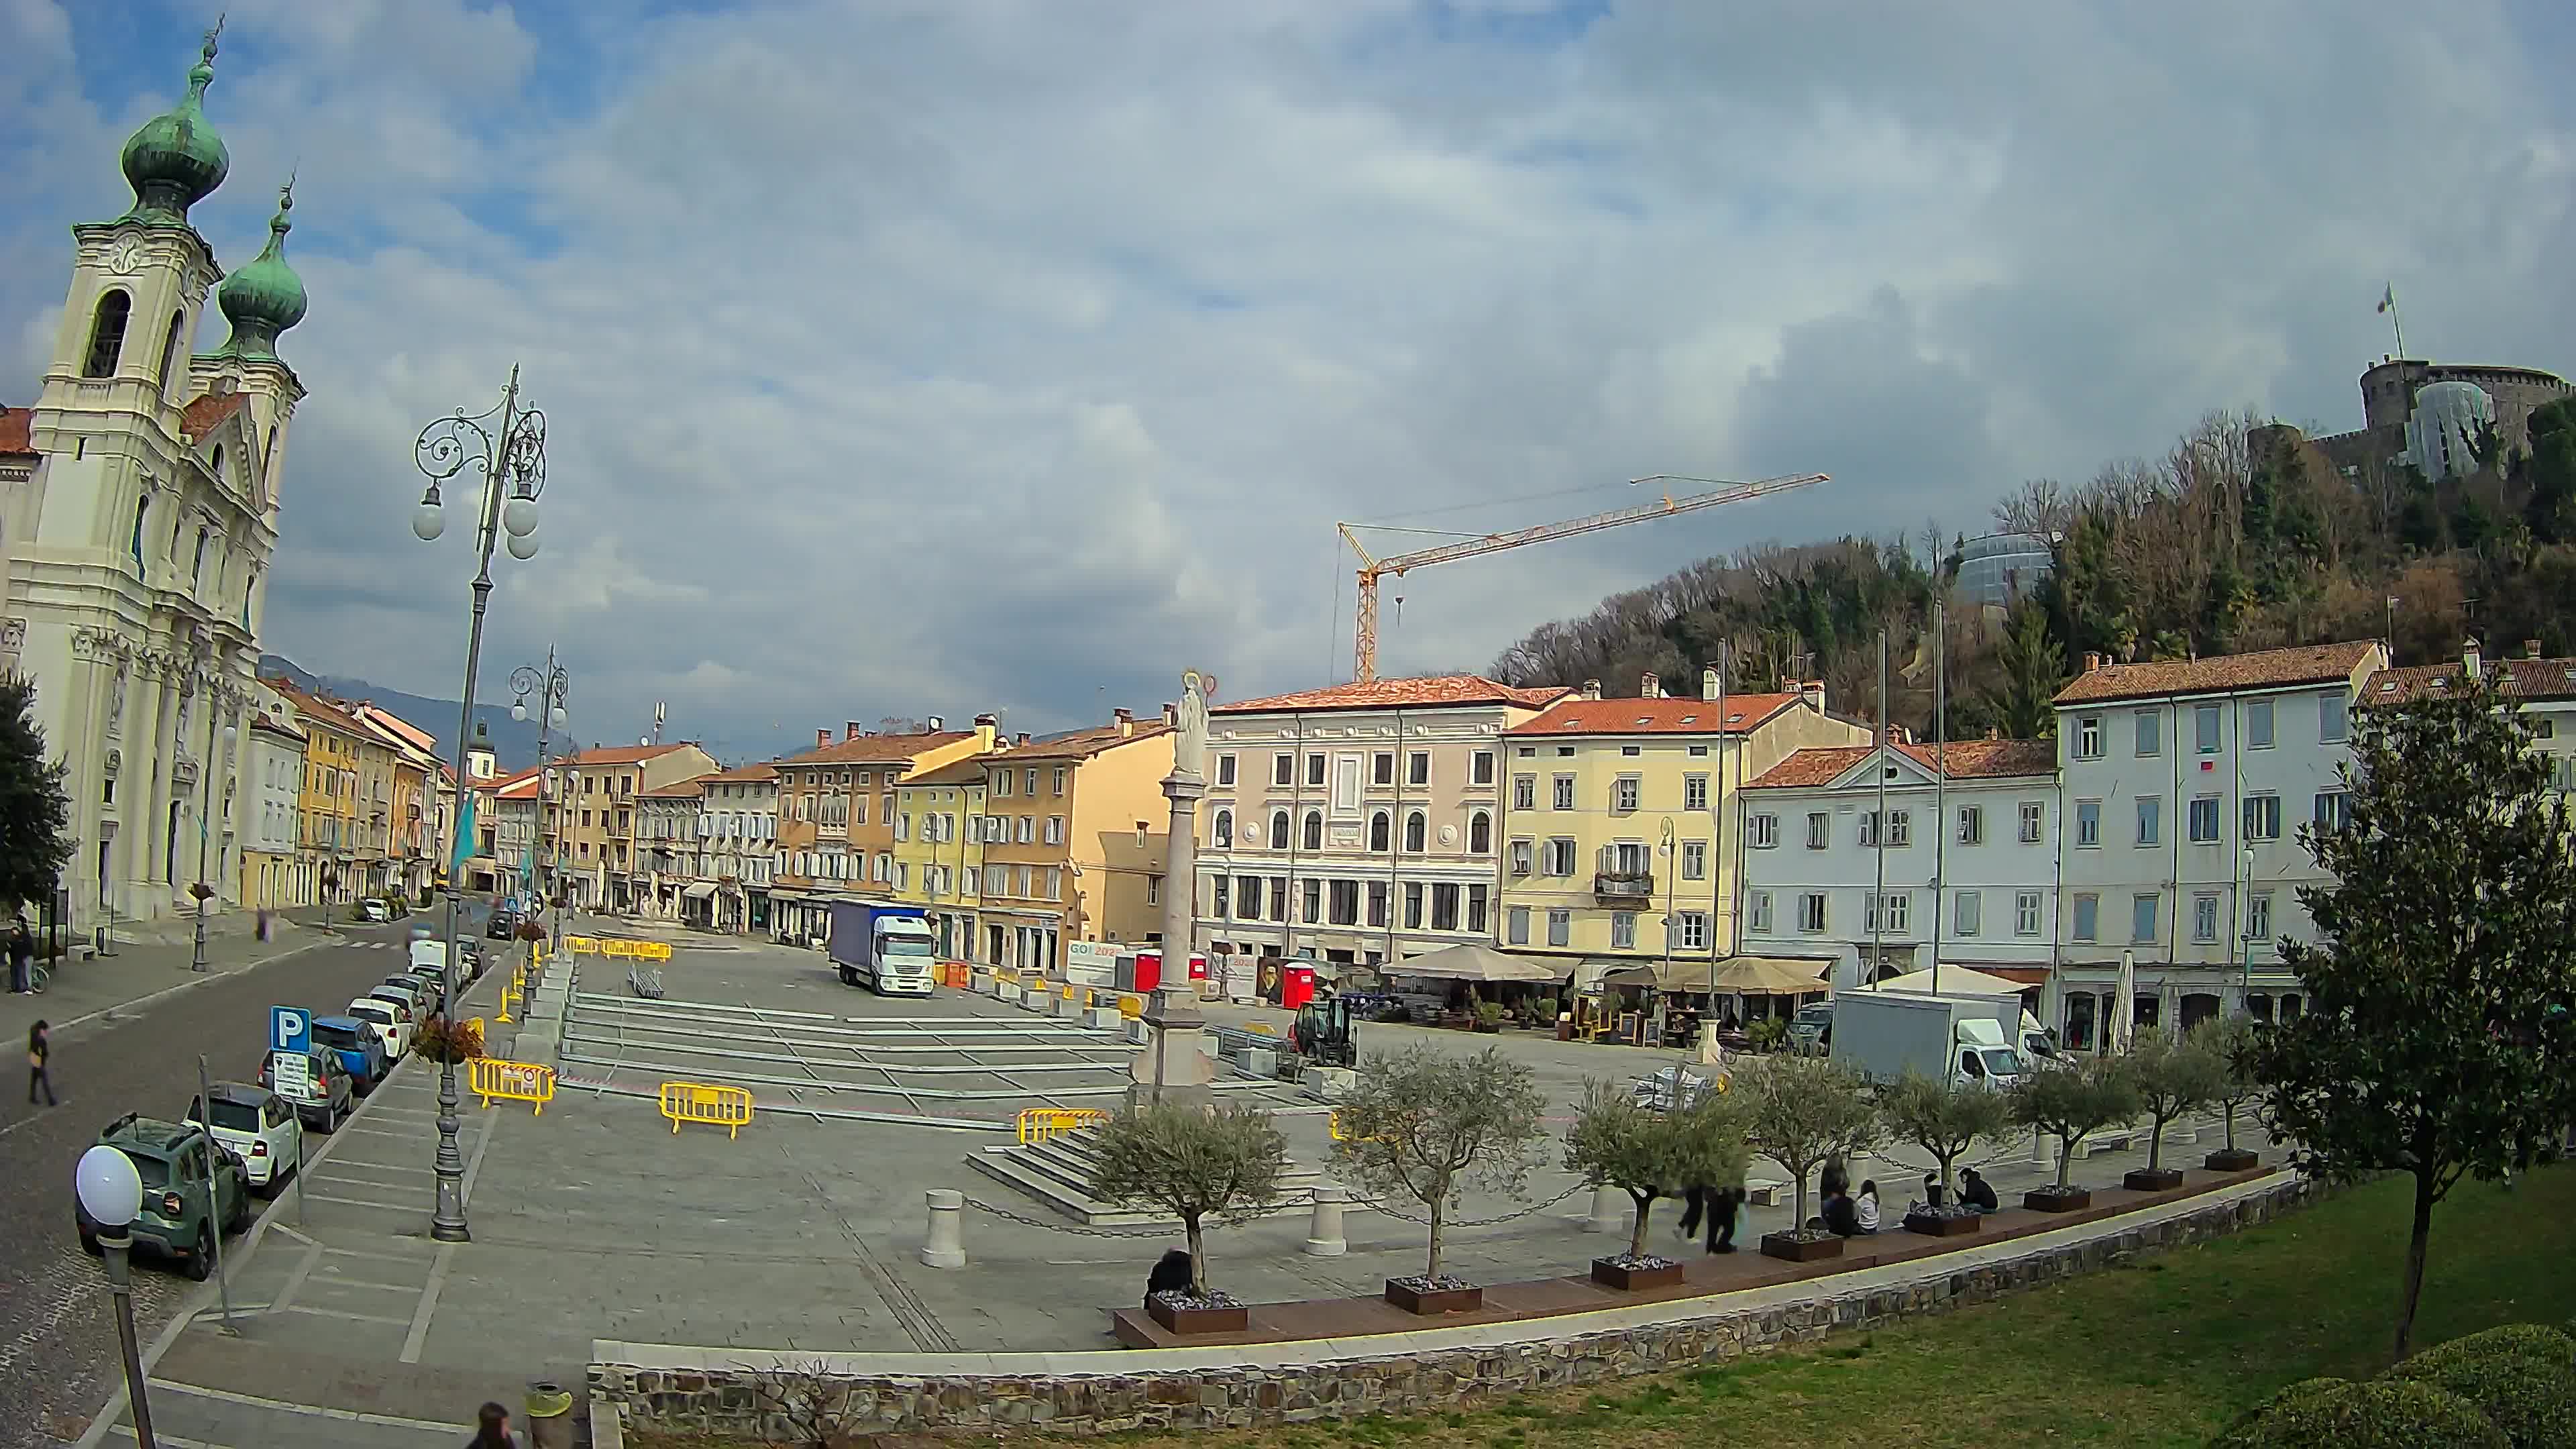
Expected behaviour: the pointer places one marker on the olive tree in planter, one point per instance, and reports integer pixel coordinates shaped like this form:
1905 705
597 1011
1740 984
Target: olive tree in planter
2230 1042
1426 1125
1799 1111
1945 1117
2173 1075
1198 1165
1619 1142
2074 1102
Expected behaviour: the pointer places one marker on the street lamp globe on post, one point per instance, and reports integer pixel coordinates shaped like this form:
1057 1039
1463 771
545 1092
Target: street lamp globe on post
550 686
111 1193
506 447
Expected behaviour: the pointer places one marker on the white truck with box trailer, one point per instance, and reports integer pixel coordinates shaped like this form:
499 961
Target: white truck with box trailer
1884 1034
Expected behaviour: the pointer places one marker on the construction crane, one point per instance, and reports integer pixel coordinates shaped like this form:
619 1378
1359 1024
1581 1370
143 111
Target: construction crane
1364 660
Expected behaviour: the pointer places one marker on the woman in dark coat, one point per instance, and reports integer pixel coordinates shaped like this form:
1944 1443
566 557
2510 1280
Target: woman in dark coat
1171 1275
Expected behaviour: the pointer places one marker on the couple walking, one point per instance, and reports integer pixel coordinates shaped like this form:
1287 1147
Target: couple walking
22 959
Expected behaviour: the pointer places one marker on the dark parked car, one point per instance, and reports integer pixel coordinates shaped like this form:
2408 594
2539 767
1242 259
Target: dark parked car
502 926
330 1093
192 1188
361 1052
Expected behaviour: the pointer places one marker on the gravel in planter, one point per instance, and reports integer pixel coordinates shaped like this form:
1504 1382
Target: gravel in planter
1945 1212
1442 1284
1804 1235
1638 1262
1180 1301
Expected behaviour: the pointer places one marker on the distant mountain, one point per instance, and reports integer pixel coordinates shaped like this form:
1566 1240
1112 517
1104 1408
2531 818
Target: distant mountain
513 742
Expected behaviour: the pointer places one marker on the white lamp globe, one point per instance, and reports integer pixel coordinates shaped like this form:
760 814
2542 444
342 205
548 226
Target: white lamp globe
519 517
519 711
523 545
560 718
110 1191
428 521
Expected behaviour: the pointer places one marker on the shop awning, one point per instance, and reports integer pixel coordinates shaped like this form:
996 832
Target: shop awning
1477 963
1748 975
1953 978
698 890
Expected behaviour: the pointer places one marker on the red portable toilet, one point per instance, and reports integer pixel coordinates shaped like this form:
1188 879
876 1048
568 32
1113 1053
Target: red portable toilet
1198 966
1149 972
1296 985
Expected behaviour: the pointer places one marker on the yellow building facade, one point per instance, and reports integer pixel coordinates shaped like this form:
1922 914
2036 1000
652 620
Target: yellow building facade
1075 832
1619 820
328 829
939 849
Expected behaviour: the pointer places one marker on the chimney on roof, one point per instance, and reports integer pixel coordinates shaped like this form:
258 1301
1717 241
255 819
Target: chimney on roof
937 724
822 737
987 727
2530 648
1708 684
1813 692
1125 719
2469 657
2092 660
1650 686
850 729
1021 738
1592 689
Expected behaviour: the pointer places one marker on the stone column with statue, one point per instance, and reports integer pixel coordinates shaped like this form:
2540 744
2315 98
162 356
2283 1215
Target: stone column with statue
1173 1068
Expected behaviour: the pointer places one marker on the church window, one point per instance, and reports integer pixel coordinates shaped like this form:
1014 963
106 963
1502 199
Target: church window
170 348
107 334
142 510
197 566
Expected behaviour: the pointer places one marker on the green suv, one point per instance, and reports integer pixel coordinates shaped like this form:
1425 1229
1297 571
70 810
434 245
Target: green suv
191 1183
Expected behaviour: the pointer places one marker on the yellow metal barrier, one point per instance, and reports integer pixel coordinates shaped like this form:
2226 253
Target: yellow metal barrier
582 945
499 1081
1333 1126
1038 1124
1131 1007
616 948
726 1107
510 996
1262 1028
652 950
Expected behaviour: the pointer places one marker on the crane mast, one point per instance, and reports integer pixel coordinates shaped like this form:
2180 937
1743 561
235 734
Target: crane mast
1372 569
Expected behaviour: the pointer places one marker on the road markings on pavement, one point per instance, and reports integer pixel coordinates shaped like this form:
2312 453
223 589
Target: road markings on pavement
318 1411
340 1313
340 1162
428 1306
126 1432
295 1278
393 1207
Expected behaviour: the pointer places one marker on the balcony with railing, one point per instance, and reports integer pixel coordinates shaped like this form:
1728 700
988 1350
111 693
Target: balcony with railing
1623 886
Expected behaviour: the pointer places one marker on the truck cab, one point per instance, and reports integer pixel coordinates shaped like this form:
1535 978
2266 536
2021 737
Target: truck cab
1984 1059
888 949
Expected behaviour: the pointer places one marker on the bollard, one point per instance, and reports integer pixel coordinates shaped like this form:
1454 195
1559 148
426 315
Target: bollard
549 1407
2040 1156
1324 1233
945 1244
1609 1210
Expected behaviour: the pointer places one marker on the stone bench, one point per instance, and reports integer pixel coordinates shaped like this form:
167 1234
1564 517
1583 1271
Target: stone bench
1764 1191
2111 1139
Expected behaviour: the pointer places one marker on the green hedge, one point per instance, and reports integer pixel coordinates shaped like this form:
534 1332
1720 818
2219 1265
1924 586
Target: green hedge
2521 1376
2382 1414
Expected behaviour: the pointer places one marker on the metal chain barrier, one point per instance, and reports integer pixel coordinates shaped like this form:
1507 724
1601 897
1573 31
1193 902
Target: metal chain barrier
1425 1220
1006 1215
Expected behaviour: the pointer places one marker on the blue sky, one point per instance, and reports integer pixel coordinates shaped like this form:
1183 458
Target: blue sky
934 356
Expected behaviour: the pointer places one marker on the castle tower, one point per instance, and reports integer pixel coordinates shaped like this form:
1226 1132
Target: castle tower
139 543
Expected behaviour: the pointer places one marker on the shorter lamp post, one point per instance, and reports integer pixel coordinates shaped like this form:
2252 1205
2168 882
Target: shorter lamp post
551 686
111 1193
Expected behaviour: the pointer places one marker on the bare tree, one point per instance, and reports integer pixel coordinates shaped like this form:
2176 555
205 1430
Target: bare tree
1426 1125
801 1403
1195 1164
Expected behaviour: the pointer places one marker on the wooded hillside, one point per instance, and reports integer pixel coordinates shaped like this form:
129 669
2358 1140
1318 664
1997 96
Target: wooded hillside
2221 545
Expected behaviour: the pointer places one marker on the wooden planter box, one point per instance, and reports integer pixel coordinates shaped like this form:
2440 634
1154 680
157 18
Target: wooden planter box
1943 1227
1609 1274
2050 1200
2162 1179
1234 1319
1800 1250
2232 1159
1434 1301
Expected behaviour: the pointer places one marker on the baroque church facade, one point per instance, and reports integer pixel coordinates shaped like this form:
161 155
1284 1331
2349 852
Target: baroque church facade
137 529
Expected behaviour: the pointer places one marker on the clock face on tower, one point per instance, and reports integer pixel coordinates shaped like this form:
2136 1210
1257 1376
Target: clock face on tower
127 257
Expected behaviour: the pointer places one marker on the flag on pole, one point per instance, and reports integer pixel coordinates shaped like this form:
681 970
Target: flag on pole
464 836
2388 297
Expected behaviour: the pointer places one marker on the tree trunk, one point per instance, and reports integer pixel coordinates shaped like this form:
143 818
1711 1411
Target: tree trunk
2156 1142
1799 1223
1637 1234
1198 1255
2065 1159
1431 1271
2412 1291
1944 1162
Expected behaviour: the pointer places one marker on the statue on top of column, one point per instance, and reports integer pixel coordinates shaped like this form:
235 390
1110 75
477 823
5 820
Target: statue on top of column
1191 748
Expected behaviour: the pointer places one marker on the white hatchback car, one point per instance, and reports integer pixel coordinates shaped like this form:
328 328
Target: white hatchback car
259 1127
391 1022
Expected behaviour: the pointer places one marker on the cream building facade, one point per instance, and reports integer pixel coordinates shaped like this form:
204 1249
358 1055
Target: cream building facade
138 542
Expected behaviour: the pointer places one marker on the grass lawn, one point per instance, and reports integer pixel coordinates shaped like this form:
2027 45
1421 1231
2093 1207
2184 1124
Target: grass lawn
2165 1353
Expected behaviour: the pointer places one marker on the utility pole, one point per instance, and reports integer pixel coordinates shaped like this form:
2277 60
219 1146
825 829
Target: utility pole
1878 828
1940 775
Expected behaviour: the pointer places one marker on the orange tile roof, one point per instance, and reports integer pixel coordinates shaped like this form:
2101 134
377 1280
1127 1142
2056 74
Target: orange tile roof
206 410
522 785
1081 744
689 789
2511 678
276 726
620 754
873 749
743 774
1659 716
15 431
329 711
968 771
1968 760
2267 669
1429 691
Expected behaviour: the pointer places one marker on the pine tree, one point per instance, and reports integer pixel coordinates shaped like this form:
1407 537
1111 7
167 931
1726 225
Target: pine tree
2033 668
35 816
2437 1040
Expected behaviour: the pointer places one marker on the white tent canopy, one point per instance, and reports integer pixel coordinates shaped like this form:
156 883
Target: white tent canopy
1953 978
1475 963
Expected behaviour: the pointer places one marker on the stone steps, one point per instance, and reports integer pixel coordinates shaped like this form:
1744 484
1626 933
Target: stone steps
1057 1173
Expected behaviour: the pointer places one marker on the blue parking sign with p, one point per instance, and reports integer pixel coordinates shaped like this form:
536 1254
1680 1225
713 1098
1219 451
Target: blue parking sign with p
290 1029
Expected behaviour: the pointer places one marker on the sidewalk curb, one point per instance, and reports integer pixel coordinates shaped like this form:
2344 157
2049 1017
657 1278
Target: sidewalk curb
194 980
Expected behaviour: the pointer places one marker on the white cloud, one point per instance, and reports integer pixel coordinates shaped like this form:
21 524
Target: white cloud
933 357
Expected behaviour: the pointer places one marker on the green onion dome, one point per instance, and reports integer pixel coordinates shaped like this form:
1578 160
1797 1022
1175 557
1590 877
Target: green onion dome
264 297
176 160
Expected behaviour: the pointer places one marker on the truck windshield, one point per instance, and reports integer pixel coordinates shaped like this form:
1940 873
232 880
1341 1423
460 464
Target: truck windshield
906 946
2001 1062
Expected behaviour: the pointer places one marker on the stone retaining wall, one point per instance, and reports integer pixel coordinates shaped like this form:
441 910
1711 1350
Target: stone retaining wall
1229 1389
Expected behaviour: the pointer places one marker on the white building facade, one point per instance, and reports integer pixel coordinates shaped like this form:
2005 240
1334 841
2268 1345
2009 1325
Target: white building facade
1309 842
2185 783
1964 871
272 824
138 544
739 825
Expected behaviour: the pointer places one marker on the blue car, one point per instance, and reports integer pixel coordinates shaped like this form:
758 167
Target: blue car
361 1051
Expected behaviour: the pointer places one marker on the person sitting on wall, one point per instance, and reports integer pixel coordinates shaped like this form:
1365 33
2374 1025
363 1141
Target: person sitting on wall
1839 1215
1976 1192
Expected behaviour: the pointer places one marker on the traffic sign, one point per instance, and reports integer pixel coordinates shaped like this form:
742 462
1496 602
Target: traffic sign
290 1029
290 1074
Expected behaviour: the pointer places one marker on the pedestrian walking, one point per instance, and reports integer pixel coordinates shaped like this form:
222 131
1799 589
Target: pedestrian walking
40 1050
1718 1205
492 1429
22 958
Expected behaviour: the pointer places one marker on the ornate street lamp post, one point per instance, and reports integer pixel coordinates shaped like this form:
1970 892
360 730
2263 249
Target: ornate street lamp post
550 686
507 446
